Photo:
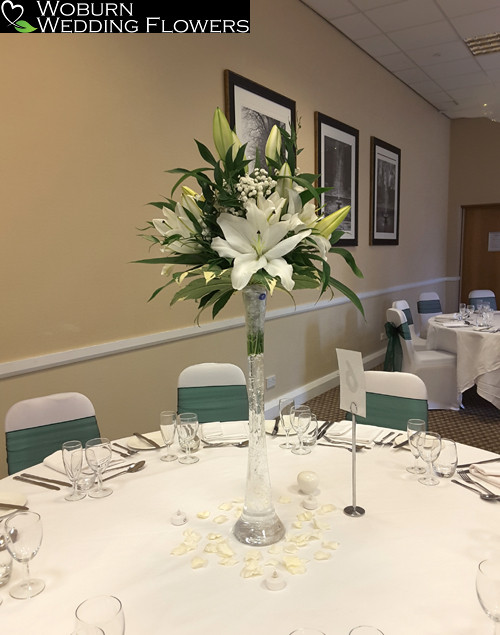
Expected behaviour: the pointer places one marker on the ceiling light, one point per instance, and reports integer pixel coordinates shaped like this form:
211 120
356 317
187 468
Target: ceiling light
483 44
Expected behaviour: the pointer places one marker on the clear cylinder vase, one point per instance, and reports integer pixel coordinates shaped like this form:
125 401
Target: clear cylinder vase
258 525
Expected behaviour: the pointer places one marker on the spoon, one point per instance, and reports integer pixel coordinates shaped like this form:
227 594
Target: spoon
135 467
239 444
485 497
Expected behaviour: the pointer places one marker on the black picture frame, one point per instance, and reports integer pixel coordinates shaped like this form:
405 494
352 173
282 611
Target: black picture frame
252 110
385 192
337 159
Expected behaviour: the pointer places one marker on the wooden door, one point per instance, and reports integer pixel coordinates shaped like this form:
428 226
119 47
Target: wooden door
480 266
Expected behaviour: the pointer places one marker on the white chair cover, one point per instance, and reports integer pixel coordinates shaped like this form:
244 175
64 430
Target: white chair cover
418 342
211 374
428 306
437 369
42 411
477 296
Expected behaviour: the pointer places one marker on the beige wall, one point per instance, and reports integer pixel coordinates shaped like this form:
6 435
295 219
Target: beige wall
89 126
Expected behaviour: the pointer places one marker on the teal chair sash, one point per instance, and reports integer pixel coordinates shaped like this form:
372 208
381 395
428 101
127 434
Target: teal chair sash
214 403
30 446
408 315
389 411
429 306
394 353
490 299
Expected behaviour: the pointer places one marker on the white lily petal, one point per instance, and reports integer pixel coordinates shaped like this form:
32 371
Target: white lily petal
281 269
285 246
243 269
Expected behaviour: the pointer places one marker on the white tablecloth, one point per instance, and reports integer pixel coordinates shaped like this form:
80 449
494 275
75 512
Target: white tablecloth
407 566
478 355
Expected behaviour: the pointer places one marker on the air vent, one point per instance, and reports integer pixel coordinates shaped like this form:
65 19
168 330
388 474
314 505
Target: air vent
483 44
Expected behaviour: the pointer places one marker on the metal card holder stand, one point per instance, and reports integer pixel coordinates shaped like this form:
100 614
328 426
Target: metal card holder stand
354 510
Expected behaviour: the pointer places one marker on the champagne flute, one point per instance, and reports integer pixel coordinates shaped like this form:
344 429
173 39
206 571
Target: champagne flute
187 426
98 455
23 535
488 589
300 417
167 427
413 427
102 611
429 445
285 405
72 454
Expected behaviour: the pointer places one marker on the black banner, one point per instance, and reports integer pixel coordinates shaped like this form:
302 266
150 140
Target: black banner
56 16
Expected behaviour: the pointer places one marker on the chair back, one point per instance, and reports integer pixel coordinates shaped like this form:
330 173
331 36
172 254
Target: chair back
400 351
37 427
403 305
214 391
478 296
428 306
393 398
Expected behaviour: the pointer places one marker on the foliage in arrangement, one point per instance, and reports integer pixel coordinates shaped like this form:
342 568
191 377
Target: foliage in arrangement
261 227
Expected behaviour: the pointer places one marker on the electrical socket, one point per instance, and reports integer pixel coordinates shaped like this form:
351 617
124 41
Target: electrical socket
270 381
383 336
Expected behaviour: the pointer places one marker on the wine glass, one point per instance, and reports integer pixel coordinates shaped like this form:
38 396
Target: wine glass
413 427
429 446
167 427
187 427
23 535
72 454
462 308
98 455
102 611
300 417
488 589
285 405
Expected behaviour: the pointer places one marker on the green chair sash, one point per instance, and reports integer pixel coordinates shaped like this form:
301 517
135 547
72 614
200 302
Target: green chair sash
394 353
389 411
429 306
477 301
214 403
408 315
30 446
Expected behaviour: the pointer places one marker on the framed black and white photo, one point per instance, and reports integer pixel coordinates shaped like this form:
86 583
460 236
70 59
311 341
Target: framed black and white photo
252 110
385 185
337 164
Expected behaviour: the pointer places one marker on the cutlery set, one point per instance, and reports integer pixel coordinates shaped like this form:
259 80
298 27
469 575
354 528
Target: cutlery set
484 493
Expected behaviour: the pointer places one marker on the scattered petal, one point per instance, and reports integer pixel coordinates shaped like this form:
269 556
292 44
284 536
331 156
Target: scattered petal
284 499
180 550
319 524
203 515
330 545
294 565
326 509
322 555
220 519
198 563
225 506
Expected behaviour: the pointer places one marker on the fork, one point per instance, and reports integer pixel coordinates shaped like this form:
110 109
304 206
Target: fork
467 478
386 439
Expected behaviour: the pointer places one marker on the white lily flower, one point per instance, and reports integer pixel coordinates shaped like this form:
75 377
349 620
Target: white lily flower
256 244
178 223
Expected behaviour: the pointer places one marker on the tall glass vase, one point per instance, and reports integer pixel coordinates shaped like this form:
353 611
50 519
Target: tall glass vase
258 524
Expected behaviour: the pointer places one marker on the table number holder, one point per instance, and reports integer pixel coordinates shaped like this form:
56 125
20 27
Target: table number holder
353 510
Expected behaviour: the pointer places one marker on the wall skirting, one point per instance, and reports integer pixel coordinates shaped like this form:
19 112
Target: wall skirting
51 360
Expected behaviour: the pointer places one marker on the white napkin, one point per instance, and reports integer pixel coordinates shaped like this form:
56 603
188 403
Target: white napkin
488 473
224 431
55 462
454 324
367 436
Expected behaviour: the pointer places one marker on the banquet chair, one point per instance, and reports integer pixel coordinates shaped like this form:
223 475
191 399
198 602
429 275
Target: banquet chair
428 306
393 398
418 342
214 391
436 368
478 296
37 427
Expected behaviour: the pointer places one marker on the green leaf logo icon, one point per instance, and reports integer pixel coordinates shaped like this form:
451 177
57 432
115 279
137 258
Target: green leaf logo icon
24 27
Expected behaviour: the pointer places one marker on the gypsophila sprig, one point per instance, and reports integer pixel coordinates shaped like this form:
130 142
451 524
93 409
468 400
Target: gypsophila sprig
261 227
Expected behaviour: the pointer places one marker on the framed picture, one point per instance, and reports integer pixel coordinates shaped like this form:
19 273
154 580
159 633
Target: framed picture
252 110
385 184
337 164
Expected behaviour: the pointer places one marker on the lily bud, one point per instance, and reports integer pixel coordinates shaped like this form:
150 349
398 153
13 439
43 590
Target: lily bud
273 144
188 200
223 135
328 224
284 184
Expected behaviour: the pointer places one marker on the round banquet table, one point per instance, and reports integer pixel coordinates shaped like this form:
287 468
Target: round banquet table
407 565
478 353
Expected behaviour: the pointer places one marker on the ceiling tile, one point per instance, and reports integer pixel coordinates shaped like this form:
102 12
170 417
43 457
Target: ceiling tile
427 87
464 81
405 14
378 45
454 68
411 75
481 23
489 61
366 5
330 10
439 53
356 26
421 36
454 8
396 61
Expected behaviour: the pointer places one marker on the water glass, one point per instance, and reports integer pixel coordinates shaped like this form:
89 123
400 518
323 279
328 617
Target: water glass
98 455
446 463
413 427
488 589
462 308
102 611
300 417
187 427
365 630
72 454
5 561
285 406
311 434
168 420
429 446
23 536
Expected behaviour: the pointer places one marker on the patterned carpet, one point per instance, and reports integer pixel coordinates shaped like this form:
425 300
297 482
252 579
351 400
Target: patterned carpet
477 424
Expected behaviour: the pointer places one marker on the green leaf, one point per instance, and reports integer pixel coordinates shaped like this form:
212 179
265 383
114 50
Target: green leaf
349 258
24 27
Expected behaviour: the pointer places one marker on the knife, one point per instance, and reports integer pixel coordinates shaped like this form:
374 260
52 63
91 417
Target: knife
21 508
400 445
46 480
323 429
276 427
124 448
147 440
33 482
477 463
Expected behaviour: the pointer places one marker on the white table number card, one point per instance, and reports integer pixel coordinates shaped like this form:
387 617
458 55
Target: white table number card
352 382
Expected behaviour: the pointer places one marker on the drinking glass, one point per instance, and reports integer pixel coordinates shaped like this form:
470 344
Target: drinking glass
72 454
413 427
98 455
488 589
102 611
470 309
365 630
187 427
311 434
462 308
167 427
300 417
429 446
307 631
285 405
23 535
446 463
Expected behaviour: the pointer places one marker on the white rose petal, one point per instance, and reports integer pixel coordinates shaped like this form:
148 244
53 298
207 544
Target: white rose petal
285 499
225 506
330 545
295 565
203 515
180 550
322 555
198 563
326 509
220 519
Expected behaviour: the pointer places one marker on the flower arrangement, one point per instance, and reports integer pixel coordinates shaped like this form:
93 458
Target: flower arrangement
244 227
